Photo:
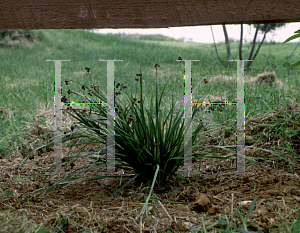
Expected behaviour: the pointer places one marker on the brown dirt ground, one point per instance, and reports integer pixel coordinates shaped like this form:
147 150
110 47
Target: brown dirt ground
182 203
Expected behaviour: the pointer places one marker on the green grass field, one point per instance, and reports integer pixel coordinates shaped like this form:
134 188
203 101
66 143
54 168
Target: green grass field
27 78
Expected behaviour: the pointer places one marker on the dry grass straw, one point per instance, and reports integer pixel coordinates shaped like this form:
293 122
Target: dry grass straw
267 77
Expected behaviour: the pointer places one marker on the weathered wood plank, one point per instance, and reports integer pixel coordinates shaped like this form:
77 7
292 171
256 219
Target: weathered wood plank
88 14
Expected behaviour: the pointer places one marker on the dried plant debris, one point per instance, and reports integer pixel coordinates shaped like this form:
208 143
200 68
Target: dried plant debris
268 78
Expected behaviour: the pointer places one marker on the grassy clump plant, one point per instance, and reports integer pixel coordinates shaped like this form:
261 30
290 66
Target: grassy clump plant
146 135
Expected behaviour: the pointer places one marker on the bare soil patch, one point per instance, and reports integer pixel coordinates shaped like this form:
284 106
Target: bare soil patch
178 206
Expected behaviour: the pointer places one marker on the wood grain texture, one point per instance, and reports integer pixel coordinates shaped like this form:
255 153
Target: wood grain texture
89 14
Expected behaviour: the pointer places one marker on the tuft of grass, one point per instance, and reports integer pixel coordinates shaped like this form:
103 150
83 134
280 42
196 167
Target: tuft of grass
10 225
145 135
